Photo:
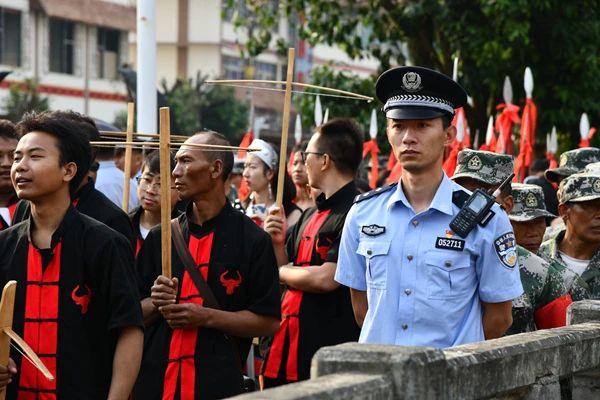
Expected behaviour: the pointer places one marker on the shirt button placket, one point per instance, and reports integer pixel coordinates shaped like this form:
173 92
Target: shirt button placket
409 278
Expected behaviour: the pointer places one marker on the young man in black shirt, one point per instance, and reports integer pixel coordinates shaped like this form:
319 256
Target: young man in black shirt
192 351
88 200
76 303
316 310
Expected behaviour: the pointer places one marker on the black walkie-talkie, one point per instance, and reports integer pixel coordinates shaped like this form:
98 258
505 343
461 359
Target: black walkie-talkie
475 209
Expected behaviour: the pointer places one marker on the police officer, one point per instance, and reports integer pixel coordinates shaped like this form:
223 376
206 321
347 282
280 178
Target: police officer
578 246
413 280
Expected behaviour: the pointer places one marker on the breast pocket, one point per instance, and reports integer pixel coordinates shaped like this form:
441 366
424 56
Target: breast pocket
449 274
376 255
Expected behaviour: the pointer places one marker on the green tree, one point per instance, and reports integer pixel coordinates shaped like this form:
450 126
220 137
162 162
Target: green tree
559 40
197 106
328 77
24 97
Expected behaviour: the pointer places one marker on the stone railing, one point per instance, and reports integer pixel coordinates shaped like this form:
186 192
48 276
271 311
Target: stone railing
548 364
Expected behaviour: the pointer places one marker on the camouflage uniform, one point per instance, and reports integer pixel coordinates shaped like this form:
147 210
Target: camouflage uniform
528 203
573 161
542 284
577 188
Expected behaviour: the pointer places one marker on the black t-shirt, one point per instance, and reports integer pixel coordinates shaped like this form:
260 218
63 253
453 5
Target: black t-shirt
240 252
94 204
97 296
325 319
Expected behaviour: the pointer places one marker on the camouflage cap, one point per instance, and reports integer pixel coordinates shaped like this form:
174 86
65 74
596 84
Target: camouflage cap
579 188
528 203
573 161
483 166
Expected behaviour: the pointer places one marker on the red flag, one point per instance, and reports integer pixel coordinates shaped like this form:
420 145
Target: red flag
528 124
504 123
370 147
246 140
586 142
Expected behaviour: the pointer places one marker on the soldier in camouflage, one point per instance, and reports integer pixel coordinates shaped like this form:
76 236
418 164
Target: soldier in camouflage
571 162
577 248
544 302
528 217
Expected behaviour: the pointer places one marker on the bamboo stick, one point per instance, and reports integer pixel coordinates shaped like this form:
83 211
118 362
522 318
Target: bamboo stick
287 102
165 191
127 166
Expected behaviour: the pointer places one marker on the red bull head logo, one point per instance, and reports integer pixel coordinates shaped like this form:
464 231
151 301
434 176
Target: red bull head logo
84 300
230 284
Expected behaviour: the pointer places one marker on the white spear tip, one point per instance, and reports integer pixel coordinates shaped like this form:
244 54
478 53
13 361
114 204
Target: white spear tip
584 126
507 91
528 82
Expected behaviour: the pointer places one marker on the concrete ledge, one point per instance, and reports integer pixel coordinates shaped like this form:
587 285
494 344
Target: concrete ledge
583 311
415 371
337 386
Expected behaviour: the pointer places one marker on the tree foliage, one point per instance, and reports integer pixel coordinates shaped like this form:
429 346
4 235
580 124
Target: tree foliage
559 40
197 106
343 80
24 97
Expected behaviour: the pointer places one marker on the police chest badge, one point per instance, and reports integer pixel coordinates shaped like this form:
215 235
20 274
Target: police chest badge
506 249
411 82
373 230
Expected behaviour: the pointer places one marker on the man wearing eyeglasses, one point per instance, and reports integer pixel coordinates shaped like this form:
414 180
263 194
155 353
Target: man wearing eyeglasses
413 280
578 246
316 311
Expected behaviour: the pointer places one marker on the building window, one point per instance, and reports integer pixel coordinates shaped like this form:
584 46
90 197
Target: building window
10 37
108 53
62 46
265 71
233 68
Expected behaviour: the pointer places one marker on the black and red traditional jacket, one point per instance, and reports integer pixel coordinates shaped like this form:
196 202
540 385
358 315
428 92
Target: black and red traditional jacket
71 303
12 206
236 259
313 320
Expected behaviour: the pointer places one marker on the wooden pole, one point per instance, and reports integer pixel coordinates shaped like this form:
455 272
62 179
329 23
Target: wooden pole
128 150
7 305
165 190
285 126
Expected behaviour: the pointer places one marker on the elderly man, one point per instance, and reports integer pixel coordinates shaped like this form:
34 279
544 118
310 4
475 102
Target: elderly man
578 246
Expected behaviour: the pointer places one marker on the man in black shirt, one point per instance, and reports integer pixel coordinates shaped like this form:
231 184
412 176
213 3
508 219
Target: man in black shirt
192 351
88 200
316 310
76 303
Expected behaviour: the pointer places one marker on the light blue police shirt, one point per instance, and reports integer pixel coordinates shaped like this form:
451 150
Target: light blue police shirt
424 283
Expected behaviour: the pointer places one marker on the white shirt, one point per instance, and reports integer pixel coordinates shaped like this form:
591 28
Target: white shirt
110 180
575 264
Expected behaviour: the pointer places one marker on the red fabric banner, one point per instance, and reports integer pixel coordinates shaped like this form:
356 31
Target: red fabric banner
504 123
528 125
371 148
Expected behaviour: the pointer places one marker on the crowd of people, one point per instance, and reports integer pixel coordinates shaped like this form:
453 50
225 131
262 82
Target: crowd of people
250 278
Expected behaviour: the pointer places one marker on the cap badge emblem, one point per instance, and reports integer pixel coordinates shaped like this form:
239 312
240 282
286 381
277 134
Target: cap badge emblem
474 163
596 186
411 82
531 200
563 160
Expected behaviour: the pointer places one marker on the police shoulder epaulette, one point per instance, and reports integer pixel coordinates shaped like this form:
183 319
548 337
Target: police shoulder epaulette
374 192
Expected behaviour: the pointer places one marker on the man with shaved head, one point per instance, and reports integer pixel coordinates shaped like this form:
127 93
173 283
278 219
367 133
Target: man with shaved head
194 351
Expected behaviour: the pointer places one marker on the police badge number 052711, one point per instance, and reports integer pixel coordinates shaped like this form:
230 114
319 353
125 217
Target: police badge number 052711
506 249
